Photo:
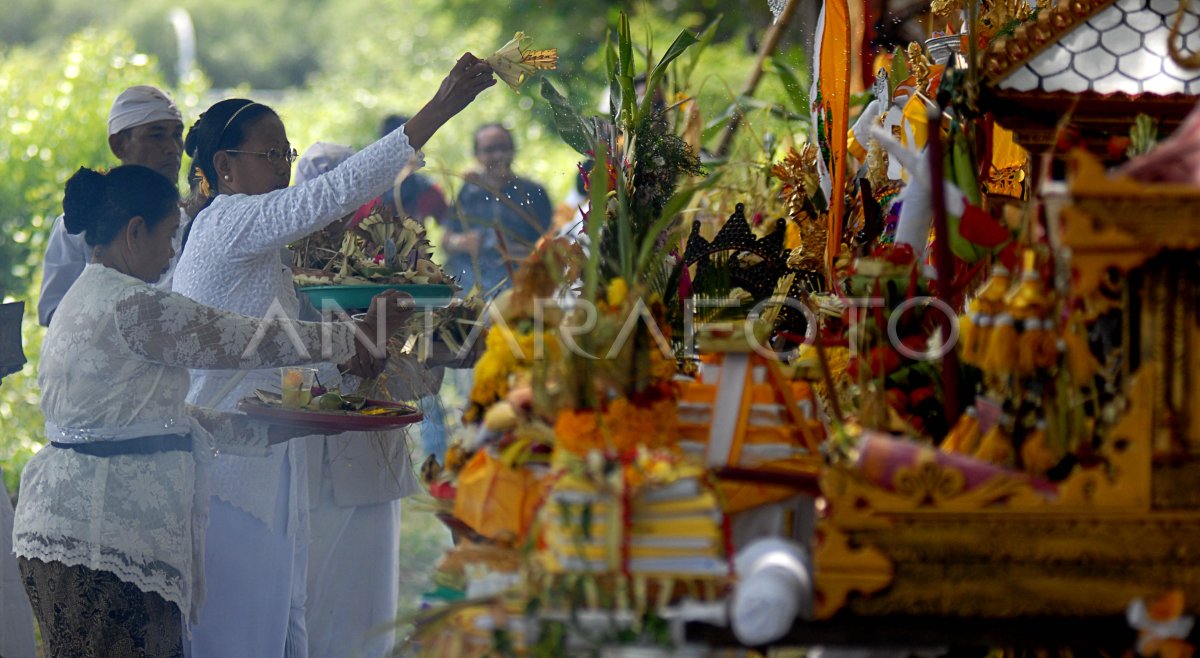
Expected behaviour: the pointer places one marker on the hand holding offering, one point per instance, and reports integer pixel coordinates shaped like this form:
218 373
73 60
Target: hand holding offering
389 313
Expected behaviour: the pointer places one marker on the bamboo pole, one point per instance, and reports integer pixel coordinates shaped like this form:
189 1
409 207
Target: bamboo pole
769 44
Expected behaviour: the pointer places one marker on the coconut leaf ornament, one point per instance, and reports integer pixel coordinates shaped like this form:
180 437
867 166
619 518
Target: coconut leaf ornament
515 61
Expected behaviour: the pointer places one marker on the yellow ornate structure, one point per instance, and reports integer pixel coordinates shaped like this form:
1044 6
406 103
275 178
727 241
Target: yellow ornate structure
933 536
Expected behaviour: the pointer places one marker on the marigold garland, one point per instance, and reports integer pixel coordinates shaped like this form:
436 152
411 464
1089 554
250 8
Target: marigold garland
620 429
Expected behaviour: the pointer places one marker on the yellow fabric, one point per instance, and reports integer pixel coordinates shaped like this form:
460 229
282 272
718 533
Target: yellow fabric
693 526
916 116
856 149
652 552
498 502
699 504
1005 151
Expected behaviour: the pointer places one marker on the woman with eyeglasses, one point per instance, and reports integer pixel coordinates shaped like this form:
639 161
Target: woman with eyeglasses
255 558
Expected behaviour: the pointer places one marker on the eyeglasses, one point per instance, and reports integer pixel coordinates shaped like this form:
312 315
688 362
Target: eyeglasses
274 156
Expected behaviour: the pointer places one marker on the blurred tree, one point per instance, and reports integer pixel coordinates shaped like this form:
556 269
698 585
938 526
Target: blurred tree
54 121
277 45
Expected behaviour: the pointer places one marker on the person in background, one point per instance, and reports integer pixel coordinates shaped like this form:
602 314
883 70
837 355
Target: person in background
144 128
259 525
354 555
110 527
420 198
500 216
16 617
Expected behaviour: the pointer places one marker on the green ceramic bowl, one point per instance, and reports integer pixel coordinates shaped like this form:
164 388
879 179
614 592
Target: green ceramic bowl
358 297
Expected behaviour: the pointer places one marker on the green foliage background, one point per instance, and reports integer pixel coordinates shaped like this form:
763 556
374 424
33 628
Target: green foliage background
333 70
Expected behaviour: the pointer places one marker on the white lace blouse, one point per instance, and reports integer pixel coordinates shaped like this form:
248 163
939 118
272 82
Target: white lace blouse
231 261
114 366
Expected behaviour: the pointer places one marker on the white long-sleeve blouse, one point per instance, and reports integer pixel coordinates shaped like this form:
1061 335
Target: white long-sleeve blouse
114 366
231 261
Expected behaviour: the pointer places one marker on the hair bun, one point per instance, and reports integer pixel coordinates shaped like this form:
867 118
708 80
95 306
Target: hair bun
85 194
191 141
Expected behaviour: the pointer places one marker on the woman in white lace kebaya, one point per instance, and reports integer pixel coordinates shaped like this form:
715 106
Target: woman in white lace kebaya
109 530
258 531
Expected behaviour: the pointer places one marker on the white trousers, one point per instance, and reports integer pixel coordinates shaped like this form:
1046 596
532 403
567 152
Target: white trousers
249 569
353 577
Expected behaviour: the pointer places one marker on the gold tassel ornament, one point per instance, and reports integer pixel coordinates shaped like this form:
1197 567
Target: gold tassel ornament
963 438
990 303
1027 304
1002 346
1029 299
1027 346
996 446
968 335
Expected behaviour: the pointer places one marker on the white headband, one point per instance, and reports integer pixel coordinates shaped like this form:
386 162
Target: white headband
140 105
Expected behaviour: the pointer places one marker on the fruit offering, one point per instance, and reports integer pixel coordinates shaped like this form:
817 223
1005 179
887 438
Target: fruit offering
296 386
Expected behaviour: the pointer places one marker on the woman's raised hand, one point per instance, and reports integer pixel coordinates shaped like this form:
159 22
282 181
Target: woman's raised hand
469 77
466 80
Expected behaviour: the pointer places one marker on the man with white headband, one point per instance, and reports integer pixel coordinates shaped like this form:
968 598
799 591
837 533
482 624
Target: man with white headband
144 128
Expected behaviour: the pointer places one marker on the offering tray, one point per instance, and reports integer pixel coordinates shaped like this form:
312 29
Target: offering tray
373 416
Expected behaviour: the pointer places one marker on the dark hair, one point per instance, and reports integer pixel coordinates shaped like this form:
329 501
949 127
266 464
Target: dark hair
390 123
100 205
487 126
222 126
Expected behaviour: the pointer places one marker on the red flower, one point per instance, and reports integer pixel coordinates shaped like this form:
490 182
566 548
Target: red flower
442 490
365 210
921 394
883 360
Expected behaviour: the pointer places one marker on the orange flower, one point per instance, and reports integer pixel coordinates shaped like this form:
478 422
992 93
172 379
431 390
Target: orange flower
631 425
577 430
621 429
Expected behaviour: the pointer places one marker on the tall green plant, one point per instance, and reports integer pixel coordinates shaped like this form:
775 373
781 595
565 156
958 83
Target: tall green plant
641 153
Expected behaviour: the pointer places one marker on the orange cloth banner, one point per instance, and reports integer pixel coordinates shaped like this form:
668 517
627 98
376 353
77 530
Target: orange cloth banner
831 110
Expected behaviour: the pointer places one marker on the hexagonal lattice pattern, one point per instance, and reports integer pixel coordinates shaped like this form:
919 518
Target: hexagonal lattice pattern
1122 48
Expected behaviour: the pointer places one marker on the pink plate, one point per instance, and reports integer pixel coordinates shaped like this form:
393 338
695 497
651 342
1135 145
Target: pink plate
346 421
